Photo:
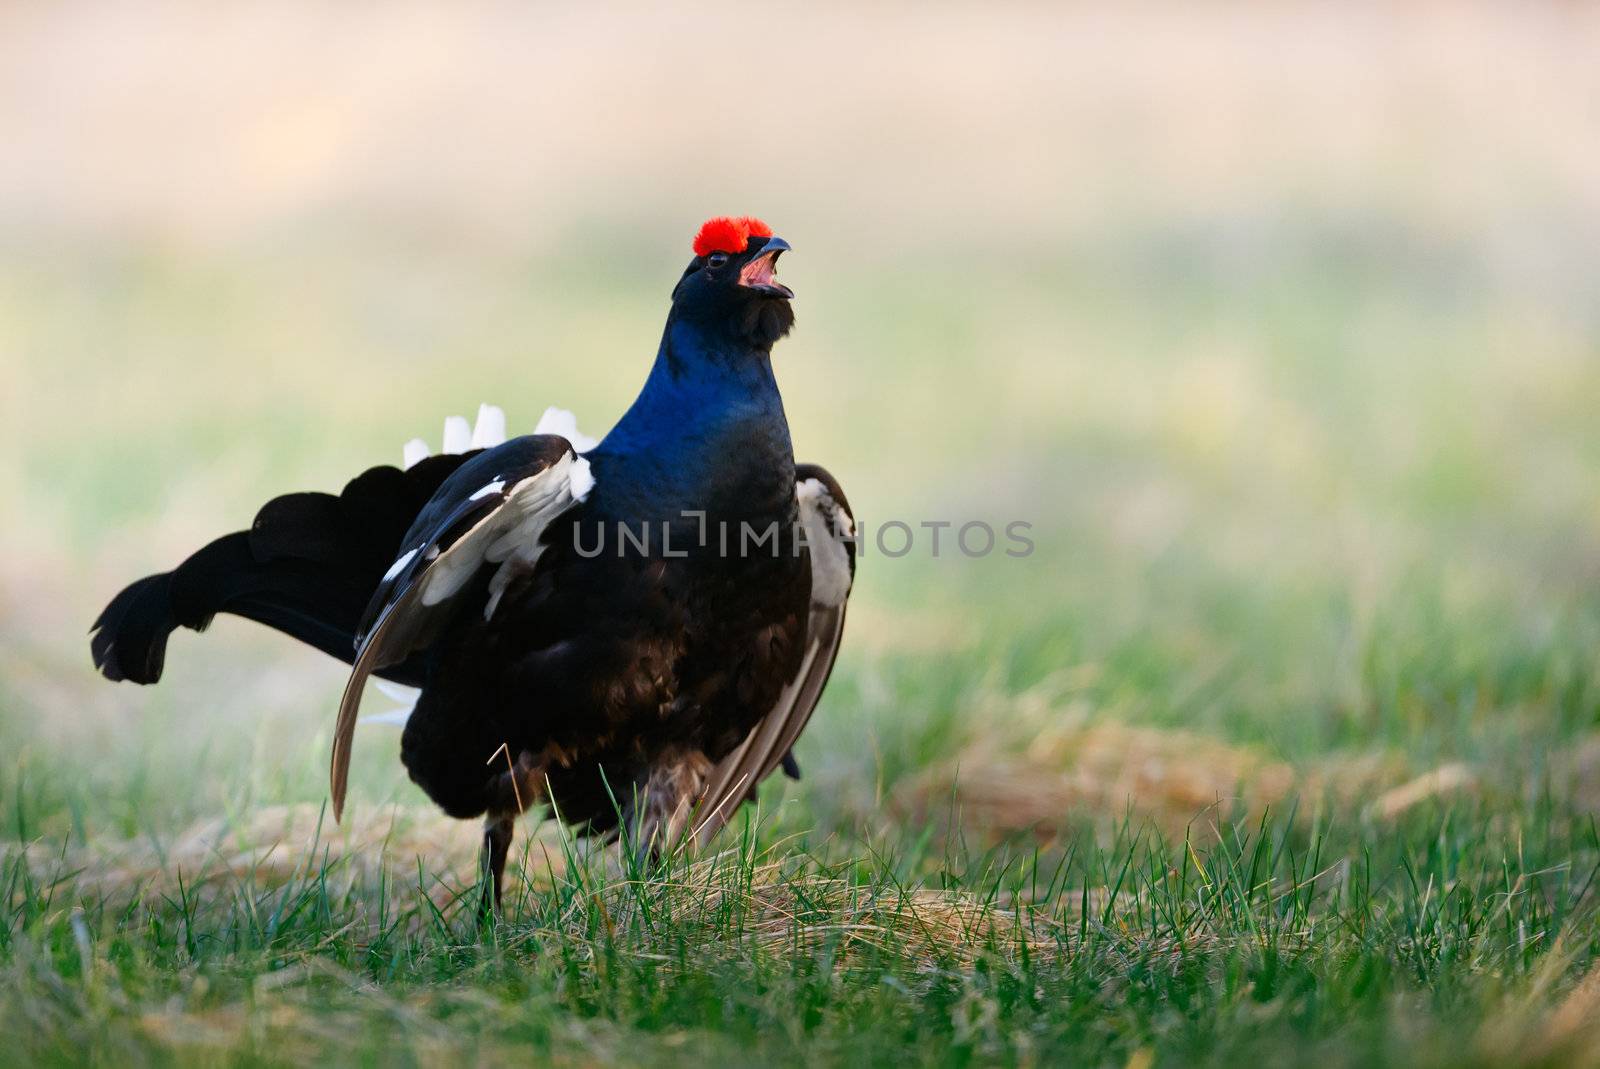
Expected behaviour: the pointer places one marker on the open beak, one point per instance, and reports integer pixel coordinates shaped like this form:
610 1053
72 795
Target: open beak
760 274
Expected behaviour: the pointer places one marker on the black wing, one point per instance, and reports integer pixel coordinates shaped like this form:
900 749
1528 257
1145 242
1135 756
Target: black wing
492 511
307 567
829 529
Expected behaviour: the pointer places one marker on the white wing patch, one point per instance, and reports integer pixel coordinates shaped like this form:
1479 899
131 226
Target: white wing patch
825 524
509 536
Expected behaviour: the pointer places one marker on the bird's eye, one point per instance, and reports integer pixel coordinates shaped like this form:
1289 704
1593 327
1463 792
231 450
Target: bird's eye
716 259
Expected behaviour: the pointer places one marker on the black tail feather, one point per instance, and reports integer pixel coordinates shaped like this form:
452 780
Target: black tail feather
129 640
307 567
314 603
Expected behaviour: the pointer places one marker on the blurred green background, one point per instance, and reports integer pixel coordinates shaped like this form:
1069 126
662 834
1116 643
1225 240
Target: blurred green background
1279 324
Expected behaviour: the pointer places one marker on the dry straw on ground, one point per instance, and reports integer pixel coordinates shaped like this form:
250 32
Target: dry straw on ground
1076 767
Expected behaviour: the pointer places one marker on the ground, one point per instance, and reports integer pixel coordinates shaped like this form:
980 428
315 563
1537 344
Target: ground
1279 329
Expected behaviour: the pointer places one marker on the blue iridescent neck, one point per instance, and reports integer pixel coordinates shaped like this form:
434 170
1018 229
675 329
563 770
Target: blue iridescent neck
709 414
699 385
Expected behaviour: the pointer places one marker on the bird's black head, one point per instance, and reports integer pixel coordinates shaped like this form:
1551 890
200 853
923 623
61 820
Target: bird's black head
731 288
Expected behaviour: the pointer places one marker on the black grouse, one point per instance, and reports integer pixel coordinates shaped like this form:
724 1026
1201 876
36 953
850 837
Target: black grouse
639 631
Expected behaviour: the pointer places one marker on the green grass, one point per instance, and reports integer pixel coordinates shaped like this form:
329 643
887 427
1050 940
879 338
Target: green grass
1433 943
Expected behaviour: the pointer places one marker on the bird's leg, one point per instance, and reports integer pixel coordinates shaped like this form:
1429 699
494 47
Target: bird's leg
497 833
511 792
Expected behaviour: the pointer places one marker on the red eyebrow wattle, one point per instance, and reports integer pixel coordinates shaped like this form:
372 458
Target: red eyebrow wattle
729 234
